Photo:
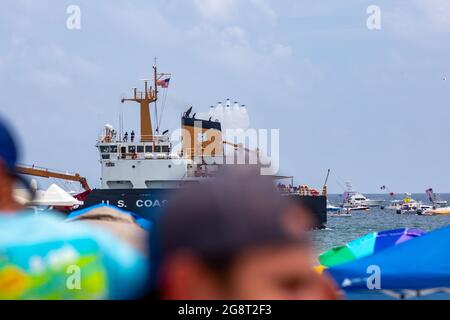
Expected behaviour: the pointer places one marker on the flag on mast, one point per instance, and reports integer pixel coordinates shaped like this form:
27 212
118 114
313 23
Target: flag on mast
430 194
163 83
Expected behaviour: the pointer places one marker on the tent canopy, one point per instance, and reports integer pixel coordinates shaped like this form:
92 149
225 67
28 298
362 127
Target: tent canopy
53 196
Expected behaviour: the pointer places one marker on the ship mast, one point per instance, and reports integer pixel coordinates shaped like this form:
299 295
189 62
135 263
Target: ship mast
145 98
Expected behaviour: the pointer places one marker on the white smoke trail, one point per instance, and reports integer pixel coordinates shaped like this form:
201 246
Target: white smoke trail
234 118
230 116
245 119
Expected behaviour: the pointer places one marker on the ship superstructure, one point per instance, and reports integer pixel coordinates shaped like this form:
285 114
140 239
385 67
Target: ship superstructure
139 170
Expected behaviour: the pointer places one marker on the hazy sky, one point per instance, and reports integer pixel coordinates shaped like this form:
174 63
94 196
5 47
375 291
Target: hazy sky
371 105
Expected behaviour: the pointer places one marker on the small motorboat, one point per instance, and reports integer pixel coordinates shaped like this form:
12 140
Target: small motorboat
342 214
332 208
437 211
394 205
410 210
408 206
356 208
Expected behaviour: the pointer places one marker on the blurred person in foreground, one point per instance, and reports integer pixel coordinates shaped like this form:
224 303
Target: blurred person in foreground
235 237
43 257
8 177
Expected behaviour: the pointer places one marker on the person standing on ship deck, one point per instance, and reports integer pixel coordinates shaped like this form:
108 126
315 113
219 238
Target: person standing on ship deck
125 137
132 136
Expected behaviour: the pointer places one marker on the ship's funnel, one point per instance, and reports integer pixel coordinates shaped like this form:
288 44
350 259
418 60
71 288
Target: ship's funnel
202 138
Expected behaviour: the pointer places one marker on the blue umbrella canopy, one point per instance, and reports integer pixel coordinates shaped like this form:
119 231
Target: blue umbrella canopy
422 263
367 245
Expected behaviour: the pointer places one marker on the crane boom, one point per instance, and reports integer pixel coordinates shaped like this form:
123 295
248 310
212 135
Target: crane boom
239 146
46 173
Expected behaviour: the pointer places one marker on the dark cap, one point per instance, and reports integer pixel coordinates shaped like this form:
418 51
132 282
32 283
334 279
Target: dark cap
234 211
8 147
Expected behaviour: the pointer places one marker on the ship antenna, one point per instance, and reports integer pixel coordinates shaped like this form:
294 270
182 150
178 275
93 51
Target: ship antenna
155 76
161 77
156 79
326 179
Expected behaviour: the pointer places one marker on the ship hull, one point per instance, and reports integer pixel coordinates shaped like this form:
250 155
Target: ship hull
149 203
317 205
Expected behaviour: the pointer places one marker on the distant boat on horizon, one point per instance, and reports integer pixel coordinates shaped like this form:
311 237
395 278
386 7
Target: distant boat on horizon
354 200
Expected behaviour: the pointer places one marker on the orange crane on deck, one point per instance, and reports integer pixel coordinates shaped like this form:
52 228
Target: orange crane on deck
46 173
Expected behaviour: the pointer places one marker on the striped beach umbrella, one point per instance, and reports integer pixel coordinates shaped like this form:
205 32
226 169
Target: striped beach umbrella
367 245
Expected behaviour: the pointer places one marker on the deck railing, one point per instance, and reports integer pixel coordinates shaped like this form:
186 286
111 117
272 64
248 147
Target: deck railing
121 138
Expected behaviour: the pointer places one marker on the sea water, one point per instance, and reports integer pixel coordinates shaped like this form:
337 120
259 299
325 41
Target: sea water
341 230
